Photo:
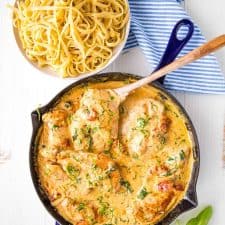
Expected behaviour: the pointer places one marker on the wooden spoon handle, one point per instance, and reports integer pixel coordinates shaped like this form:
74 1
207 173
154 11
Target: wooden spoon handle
195 54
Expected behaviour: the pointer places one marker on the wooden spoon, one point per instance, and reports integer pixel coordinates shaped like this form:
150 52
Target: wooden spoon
195 54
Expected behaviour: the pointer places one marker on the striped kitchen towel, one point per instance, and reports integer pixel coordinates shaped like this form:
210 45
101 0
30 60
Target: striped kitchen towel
151 24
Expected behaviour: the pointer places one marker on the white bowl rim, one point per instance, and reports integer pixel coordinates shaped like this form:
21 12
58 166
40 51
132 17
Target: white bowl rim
50 72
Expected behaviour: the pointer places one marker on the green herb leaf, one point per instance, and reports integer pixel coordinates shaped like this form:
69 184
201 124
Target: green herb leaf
54 127
95 129
81 206
192 221
171 159
72 171
182 155
75 134
127 185
203 217
142 122
162 139
143 193
104 207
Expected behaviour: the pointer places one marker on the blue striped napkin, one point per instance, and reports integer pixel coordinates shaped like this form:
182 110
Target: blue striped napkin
151 24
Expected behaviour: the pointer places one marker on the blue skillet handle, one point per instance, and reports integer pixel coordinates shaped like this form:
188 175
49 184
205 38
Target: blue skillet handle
175 45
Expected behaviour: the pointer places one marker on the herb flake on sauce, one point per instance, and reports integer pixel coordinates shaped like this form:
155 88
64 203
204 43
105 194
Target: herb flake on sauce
143 193
127 185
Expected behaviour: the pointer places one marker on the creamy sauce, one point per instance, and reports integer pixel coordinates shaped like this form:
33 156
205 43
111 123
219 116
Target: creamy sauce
100 164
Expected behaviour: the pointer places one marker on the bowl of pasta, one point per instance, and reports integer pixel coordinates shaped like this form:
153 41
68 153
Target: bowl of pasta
72 38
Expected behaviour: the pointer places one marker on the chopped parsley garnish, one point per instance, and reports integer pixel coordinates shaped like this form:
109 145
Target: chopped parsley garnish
127 185
54 127
143 193
72 171
86 131
182 155
145 132
75 134
170 172
162 139
142 122
95 129
94 166
79 141
107 152
111 113
90 142
81 206
103 208
154 107
135 156
170 159
110 142
112 97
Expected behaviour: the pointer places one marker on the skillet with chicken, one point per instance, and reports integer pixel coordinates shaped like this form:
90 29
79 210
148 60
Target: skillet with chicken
105 162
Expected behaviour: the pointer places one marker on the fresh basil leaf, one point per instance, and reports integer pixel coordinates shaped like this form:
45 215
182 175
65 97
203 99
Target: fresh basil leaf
202 218
192 221
205 216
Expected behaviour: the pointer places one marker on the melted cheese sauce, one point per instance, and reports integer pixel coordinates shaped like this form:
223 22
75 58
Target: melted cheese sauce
100 164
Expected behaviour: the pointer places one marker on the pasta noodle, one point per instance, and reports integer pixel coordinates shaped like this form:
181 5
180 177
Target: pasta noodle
71 36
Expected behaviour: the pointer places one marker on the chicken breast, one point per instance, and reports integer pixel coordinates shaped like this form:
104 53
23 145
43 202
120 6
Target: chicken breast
94 125
143 125
56 129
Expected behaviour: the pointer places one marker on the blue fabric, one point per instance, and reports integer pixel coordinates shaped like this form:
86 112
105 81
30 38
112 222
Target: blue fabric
151 24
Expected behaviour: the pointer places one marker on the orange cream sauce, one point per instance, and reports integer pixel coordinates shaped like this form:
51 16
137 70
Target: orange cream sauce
104 163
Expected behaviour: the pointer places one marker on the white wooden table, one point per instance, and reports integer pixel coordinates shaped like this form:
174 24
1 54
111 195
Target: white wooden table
22 88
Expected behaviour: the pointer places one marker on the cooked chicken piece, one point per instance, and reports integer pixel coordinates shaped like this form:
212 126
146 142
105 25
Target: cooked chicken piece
88 171
157 194
108 165
56 129
143 125
153 206
84 213
94 126
55 180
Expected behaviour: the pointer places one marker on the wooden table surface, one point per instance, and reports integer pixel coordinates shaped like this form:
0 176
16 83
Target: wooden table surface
23 88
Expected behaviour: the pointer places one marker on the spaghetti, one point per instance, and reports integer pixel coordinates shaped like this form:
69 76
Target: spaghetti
71 36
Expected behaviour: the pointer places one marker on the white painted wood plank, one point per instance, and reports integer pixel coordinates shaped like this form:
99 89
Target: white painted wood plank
210 15
22 88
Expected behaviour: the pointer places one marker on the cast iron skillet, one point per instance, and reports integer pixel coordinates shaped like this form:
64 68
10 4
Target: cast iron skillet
190 199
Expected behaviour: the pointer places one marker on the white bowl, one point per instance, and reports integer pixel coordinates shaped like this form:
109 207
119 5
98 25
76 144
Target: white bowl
49 71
